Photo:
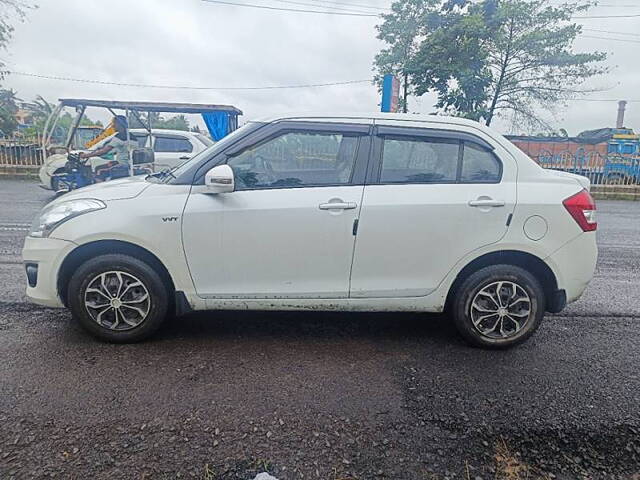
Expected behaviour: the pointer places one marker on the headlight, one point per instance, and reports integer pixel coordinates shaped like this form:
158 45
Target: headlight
52 216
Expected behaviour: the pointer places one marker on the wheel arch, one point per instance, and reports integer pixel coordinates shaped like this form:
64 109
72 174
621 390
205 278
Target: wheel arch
89 250
529 262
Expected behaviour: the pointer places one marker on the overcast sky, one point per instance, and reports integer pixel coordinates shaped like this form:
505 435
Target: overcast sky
190 42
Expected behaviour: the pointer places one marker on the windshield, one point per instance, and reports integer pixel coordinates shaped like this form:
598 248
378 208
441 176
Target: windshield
194 162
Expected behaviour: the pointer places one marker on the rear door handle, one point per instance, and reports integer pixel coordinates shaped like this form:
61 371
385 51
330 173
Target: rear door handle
486 202
337 206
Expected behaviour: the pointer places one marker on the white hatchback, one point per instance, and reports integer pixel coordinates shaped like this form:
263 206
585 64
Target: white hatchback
373 212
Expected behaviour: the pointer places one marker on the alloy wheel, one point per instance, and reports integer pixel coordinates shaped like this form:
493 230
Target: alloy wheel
500 309
117 300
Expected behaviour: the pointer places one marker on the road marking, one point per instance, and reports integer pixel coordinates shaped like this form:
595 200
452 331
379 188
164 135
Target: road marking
19 227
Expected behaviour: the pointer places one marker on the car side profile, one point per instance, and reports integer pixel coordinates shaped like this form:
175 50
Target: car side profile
380 212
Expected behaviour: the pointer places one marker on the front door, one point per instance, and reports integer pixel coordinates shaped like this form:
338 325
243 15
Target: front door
432 201
287 229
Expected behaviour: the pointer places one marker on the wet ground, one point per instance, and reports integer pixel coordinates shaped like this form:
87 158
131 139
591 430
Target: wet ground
317 395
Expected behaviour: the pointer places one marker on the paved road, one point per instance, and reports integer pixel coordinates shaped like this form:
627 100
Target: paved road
317 395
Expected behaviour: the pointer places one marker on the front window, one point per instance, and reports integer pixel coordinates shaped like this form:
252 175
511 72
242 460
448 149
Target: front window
296 159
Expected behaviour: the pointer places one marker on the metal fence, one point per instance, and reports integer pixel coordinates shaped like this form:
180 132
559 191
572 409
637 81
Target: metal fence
20 151
601 169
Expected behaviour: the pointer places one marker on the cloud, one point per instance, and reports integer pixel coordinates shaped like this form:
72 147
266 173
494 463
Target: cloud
190 42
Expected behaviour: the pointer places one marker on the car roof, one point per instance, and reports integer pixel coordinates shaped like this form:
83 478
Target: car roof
162 130
377 117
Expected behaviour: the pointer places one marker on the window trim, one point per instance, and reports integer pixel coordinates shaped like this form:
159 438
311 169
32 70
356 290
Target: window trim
374 173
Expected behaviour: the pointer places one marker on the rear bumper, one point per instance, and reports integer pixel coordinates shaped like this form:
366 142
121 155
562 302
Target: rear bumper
574 265
45 256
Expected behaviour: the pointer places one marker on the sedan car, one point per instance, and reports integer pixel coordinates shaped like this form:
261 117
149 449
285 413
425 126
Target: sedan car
381 212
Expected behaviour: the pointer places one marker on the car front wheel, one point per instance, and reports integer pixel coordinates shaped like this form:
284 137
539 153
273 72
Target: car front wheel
118 298
498 306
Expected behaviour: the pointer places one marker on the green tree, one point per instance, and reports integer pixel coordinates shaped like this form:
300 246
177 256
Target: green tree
402 31
9 10
178 122
497 56
8 108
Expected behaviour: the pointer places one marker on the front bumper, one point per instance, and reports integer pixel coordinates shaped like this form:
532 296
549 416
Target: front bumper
46 255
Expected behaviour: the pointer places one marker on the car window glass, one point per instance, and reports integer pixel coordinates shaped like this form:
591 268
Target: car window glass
406 160
296 159
172 144
141 139
479 165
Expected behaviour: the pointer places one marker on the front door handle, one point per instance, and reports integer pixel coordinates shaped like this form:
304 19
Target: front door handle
337 206
486 202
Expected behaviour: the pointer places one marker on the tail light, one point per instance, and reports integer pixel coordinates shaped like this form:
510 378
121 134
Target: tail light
582 208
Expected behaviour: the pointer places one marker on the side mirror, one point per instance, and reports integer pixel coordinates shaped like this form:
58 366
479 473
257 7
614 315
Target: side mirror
220 179
142 155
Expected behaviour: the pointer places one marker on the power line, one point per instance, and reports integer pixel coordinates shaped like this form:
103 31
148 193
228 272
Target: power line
600 100
298 10
186 87
354 5
611 31
625 40
322 6
609 16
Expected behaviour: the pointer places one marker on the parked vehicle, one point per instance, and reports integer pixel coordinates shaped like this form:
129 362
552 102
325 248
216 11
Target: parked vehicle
77 172
385 212
171 148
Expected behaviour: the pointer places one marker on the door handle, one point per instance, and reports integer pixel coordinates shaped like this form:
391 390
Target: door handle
337 206
184 158
486 202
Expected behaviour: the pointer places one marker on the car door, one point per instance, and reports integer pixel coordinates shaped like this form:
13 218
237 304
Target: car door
287 229
433 197
171 150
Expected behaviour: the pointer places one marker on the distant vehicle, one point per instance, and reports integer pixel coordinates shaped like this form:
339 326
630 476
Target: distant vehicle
171 147
381 212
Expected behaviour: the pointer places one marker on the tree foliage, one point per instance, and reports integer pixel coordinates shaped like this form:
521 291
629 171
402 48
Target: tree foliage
8 108
177 122
488 57
10 10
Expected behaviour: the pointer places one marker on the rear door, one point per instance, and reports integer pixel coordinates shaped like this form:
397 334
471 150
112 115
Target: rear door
171 150
433 196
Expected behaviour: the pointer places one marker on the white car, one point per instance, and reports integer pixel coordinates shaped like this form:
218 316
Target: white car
378 212
171 147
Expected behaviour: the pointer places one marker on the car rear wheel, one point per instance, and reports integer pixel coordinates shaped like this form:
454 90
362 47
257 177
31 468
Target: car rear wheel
498 306
118 298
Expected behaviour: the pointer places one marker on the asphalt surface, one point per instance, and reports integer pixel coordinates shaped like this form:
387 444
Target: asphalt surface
316 395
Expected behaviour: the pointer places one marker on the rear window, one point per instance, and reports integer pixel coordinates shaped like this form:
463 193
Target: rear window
479 165
172 144
408 159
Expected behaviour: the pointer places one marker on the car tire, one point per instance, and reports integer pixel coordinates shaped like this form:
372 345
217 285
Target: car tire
500 295
118 298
